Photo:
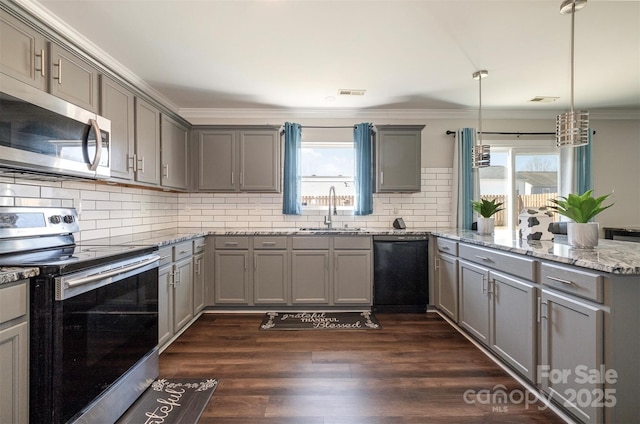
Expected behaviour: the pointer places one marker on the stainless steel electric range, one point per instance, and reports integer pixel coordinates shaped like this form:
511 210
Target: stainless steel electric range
93 316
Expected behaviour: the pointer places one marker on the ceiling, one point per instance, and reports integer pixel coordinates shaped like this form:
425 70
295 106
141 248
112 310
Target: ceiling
406 54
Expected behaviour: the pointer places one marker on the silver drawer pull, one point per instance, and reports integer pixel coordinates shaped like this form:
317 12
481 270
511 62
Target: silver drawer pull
184 251
201 246
230 243
484 258
560 280
444 247
162 258
268 243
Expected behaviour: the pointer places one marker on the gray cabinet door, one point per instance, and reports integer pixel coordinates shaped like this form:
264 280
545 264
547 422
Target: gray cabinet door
474 300
231 277
165 304
310 276
398 159
72 78
259 161
198 282
182 293
352 281
147 137
174 142
271 277
23 54
14 384
447 285
571 337
216 158
116 104
513 332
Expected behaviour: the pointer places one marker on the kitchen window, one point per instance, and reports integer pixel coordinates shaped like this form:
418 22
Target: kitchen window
521 176
326 164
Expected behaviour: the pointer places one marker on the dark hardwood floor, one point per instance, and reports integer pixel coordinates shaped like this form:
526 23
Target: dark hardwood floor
415 370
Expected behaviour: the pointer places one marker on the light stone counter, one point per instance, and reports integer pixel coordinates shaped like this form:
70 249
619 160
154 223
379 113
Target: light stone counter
615 257
12 274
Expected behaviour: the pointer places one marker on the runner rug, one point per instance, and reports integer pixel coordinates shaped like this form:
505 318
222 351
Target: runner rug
320 321
171 401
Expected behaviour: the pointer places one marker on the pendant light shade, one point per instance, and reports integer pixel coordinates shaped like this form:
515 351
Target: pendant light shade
572 128
480 153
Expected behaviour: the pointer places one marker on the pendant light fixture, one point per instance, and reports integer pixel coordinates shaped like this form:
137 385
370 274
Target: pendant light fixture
480 153
572 128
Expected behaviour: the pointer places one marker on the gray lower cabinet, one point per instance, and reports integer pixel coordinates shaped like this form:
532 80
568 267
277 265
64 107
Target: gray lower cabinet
165 296
572 345
474 300
231 269
352 270
183 292
446 276
14 353
174 144
23 54
398 158
199 275
270 270
117 105
310 270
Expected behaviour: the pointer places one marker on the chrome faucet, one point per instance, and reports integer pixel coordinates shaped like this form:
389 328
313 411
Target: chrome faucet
327 219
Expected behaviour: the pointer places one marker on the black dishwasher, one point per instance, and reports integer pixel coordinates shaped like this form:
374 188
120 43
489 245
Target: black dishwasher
400 273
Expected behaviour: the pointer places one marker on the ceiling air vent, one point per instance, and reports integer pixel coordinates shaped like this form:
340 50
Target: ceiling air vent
350 92
544 99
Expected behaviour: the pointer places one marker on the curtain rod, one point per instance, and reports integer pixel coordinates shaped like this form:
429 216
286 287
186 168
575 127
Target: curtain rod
518 134
326 126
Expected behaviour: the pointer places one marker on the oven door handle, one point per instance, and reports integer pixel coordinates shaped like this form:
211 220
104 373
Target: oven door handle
97 277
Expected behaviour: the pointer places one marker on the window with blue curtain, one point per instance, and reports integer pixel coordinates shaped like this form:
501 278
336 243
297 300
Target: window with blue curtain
582 166
363 172
464 184
291 193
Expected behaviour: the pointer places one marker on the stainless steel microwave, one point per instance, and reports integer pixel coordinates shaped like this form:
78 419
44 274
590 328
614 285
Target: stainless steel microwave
41 133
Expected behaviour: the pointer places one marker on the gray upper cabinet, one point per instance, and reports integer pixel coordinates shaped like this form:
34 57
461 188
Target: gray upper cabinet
174 138
117 105
23 53
147 140
398 158
72 78
237 160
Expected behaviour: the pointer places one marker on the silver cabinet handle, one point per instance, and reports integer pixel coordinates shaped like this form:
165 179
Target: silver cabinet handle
268 243
245 263
184 251
484 258
483 288
165 170
42 59
198 267
96 158
131 162
141 164
59 77
560 280
172 281
232 177
444 247
381 177
201 246
164 257
539 308
437 264
230 243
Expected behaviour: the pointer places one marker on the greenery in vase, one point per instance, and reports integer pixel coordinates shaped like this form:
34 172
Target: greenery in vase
486 208
580 208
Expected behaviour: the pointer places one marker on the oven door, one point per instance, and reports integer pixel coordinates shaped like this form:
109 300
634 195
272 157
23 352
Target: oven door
42 133
98 333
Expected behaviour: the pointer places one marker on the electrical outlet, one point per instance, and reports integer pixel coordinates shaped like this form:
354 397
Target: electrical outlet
395 210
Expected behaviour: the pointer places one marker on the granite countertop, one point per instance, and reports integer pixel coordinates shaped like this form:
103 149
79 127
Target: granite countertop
12 274
611 256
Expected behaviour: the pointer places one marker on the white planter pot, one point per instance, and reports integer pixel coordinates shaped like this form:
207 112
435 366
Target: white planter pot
582 236
486 225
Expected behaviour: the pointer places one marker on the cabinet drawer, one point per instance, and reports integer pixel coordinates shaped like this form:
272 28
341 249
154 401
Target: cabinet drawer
182 250
311 242
580 283
520 266
267 242
232 242
13 302
447 246
351 242
166 255
199 245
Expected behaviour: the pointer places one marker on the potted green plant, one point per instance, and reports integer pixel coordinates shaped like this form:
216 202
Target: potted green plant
581 209
486 209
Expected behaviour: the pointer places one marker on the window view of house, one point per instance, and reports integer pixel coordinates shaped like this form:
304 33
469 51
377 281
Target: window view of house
325 165
520 177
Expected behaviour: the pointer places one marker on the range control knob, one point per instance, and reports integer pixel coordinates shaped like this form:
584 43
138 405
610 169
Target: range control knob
68 219
55 219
